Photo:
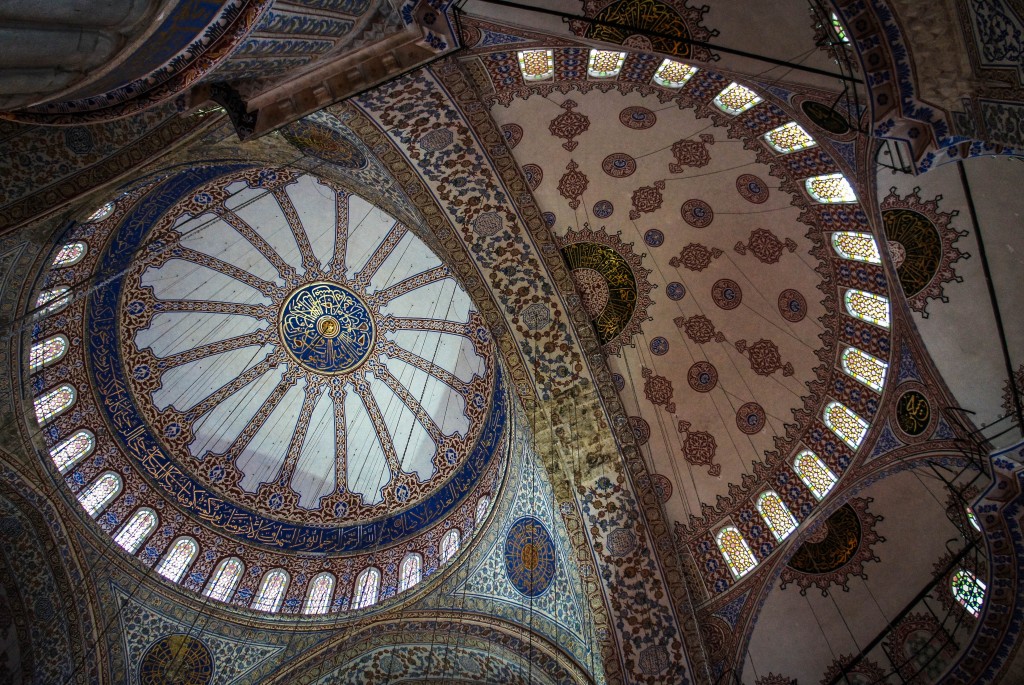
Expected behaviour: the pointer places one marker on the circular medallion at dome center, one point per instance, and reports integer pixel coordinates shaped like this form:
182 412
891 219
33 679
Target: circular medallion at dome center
327 328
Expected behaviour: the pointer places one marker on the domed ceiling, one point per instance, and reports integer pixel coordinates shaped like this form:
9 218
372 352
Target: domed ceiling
283 362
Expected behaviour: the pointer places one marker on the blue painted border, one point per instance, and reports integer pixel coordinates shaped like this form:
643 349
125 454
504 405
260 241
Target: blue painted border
140 444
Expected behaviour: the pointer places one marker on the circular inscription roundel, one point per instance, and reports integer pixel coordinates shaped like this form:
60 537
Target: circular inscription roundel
327 328
913 413
178 659
529 557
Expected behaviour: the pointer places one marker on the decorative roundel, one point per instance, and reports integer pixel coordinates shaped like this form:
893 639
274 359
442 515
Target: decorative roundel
534 175
549 219
750 418
638 118
702 377
654 238
675 290
752 188
662 487
619 381
619 165
530 559
792 306
621 541
726 293
513 134
697 213
913 413
327 328
825 117
176 660
603 209
659 346
641 429
324 142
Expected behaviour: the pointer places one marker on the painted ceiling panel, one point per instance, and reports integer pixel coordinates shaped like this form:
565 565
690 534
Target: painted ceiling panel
181 280
315 472
167 335
263 457
210 235
188 384
450 351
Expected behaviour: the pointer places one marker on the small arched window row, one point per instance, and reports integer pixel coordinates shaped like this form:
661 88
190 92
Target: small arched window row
776 514
225 578
70 254
736 99
969 590
271 592
865 368
49 351
867 307
137 530
605 63
102 212
54 402
449 545
320 595
830 189
178 558
410 572
818 477
482 506
856 246
790 137
97 495
74 449
367 588
842 421
52 300
734 548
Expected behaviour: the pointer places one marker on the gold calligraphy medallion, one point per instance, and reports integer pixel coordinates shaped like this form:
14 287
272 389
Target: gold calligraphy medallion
327 328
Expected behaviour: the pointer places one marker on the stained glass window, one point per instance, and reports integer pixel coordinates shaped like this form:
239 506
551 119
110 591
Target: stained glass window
736 552
813 472
481 509
865 368
55 402
449 545
844 423
605 63
673 74
537 65
789 138
837 26
830 189
868 306
102 213
47 352
859 246
411 571
139 527
973 519
177 559
73 450
968 590
70 254
271 593
736 99
775 513
97 495
320 595
367 589
225 579
54 300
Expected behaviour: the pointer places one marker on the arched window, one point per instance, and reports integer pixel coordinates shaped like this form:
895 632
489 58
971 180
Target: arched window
449 545
830 189
868 306
73 450
605 63
139 527
789 138
973 519
968 590
320 595
865 368
225 579
53 300
70 254
813 472
481 509
844 423
271 592
178 558
53 403
367 588
776 514
537 65
47 352
857 246
673 74
736 99
102 213
97 495
736 552
837 26
410 572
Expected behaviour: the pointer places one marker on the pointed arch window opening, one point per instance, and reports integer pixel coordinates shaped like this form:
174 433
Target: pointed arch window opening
969 591
856 246
736 551
845 423
96 496
367 589
178 557
320 595
73 450
53 403
791 137
868 307
482 505
865 368
736 99
271 592
69 255
102 213
449 545
673 74
830 189
410 572
776 514
972 518
537 65
49 351
814 473
53 300
837 27
138 529
225 579
605 63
